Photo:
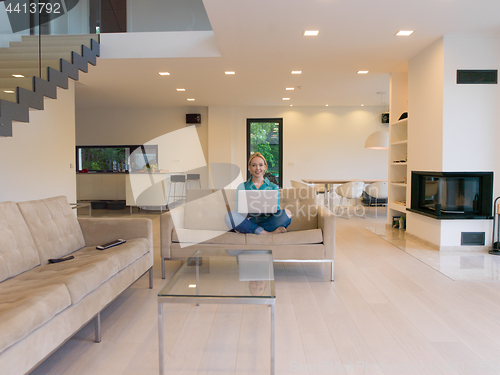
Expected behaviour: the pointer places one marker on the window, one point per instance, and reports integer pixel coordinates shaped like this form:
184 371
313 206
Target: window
115 158
266 136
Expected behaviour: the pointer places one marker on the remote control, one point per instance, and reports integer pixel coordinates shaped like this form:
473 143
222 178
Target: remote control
58 260
110 244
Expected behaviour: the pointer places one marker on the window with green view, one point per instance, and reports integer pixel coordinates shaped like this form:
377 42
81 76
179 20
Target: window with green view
266 136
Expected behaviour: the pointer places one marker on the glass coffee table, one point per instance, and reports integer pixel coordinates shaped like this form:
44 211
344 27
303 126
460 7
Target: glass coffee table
221 277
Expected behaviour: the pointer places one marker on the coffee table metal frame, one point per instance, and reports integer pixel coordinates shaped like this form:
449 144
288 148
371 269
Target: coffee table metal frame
195 299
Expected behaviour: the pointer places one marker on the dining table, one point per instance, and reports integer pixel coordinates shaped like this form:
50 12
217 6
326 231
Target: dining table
336 181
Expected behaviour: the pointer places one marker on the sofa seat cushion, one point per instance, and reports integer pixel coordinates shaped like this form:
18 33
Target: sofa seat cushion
87 271
17 248
311 236
22 310
207 236
54 227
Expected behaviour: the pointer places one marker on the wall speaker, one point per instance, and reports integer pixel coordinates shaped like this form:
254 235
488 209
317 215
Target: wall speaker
477 77
193 118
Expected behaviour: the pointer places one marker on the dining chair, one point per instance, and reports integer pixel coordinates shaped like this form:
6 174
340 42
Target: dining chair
348 191
377 191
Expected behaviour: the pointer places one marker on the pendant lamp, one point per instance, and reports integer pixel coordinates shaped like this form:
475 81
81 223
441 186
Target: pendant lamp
378 141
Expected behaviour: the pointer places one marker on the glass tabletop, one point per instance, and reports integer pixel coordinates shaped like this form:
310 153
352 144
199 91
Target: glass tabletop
224 273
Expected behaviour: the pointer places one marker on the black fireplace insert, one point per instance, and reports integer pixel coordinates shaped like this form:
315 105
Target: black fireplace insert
452 195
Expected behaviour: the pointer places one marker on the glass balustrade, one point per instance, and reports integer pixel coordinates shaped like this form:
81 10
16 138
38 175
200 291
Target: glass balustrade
35 35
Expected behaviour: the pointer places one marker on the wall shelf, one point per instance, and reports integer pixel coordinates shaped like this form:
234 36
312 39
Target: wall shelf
398 150
397 207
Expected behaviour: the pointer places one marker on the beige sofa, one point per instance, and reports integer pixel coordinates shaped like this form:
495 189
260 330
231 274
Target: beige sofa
41 304
199 224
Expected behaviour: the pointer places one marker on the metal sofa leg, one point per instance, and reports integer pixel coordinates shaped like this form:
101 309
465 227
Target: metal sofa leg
163 268
332 263
151 278
97 327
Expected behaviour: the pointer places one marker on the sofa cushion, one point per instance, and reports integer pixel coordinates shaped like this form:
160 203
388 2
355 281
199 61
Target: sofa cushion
207 236
17 250
87 271
205 209
54 227
22 310
311 236
302 204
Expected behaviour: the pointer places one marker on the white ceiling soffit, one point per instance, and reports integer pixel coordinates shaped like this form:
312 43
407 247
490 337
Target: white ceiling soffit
262 41
155 45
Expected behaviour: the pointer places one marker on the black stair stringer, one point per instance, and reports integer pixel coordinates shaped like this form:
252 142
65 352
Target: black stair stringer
26 99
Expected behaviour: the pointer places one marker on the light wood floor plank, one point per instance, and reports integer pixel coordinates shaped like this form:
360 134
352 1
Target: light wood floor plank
385 309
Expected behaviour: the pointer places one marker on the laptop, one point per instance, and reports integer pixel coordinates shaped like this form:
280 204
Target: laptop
258 201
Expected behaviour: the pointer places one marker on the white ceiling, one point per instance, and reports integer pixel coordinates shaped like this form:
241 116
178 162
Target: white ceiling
261 40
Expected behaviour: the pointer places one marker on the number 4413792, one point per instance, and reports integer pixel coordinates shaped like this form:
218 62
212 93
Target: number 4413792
34 8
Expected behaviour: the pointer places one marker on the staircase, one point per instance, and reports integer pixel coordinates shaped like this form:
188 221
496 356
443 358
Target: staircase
59 62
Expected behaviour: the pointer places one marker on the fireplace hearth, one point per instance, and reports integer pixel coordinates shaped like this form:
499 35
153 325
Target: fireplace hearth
452 195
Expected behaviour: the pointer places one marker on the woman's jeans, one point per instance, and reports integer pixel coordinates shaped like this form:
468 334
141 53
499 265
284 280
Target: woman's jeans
256 224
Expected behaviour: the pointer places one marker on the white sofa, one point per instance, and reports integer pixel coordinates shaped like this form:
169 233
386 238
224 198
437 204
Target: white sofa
41 304
199 224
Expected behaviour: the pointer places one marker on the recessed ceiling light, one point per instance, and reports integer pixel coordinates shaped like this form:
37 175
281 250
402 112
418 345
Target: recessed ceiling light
286 98
362 71
9 91
404 32
18 75
296 71
362 105
327 105
229 72
190 100
192 286
181 89
291 105
164 73
290 88
311 33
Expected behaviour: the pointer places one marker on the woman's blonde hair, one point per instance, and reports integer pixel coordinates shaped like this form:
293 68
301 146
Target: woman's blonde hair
257 155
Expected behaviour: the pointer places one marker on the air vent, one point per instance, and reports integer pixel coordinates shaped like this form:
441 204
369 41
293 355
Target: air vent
472 239
477 76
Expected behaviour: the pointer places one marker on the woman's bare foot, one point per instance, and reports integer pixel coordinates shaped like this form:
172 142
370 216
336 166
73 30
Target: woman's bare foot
276 231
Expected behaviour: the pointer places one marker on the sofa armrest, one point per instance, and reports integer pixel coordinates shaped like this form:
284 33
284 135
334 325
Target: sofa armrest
326 222
97 231
168 222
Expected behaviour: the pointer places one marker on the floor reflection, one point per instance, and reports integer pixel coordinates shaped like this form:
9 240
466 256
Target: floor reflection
479 266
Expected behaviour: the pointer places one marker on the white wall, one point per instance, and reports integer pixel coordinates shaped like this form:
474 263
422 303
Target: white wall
425 129
471 112
452 127
319 142
137 126
35 161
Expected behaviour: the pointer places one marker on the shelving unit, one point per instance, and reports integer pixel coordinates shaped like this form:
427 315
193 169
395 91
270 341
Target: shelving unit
398 171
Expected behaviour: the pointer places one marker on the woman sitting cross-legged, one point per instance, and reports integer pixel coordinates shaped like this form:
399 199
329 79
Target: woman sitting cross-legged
258 223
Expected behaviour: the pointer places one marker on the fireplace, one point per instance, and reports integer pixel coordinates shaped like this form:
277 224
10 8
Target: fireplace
452 195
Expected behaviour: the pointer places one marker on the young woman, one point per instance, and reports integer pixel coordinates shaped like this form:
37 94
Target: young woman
258 223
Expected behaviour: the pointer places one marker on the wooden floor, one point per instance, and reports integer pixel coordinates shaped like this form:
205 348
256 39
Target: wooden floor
386 313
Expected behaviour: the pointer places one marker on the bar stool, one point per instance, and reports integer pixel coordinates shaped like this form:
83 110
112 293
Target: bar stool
194 178
175 181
